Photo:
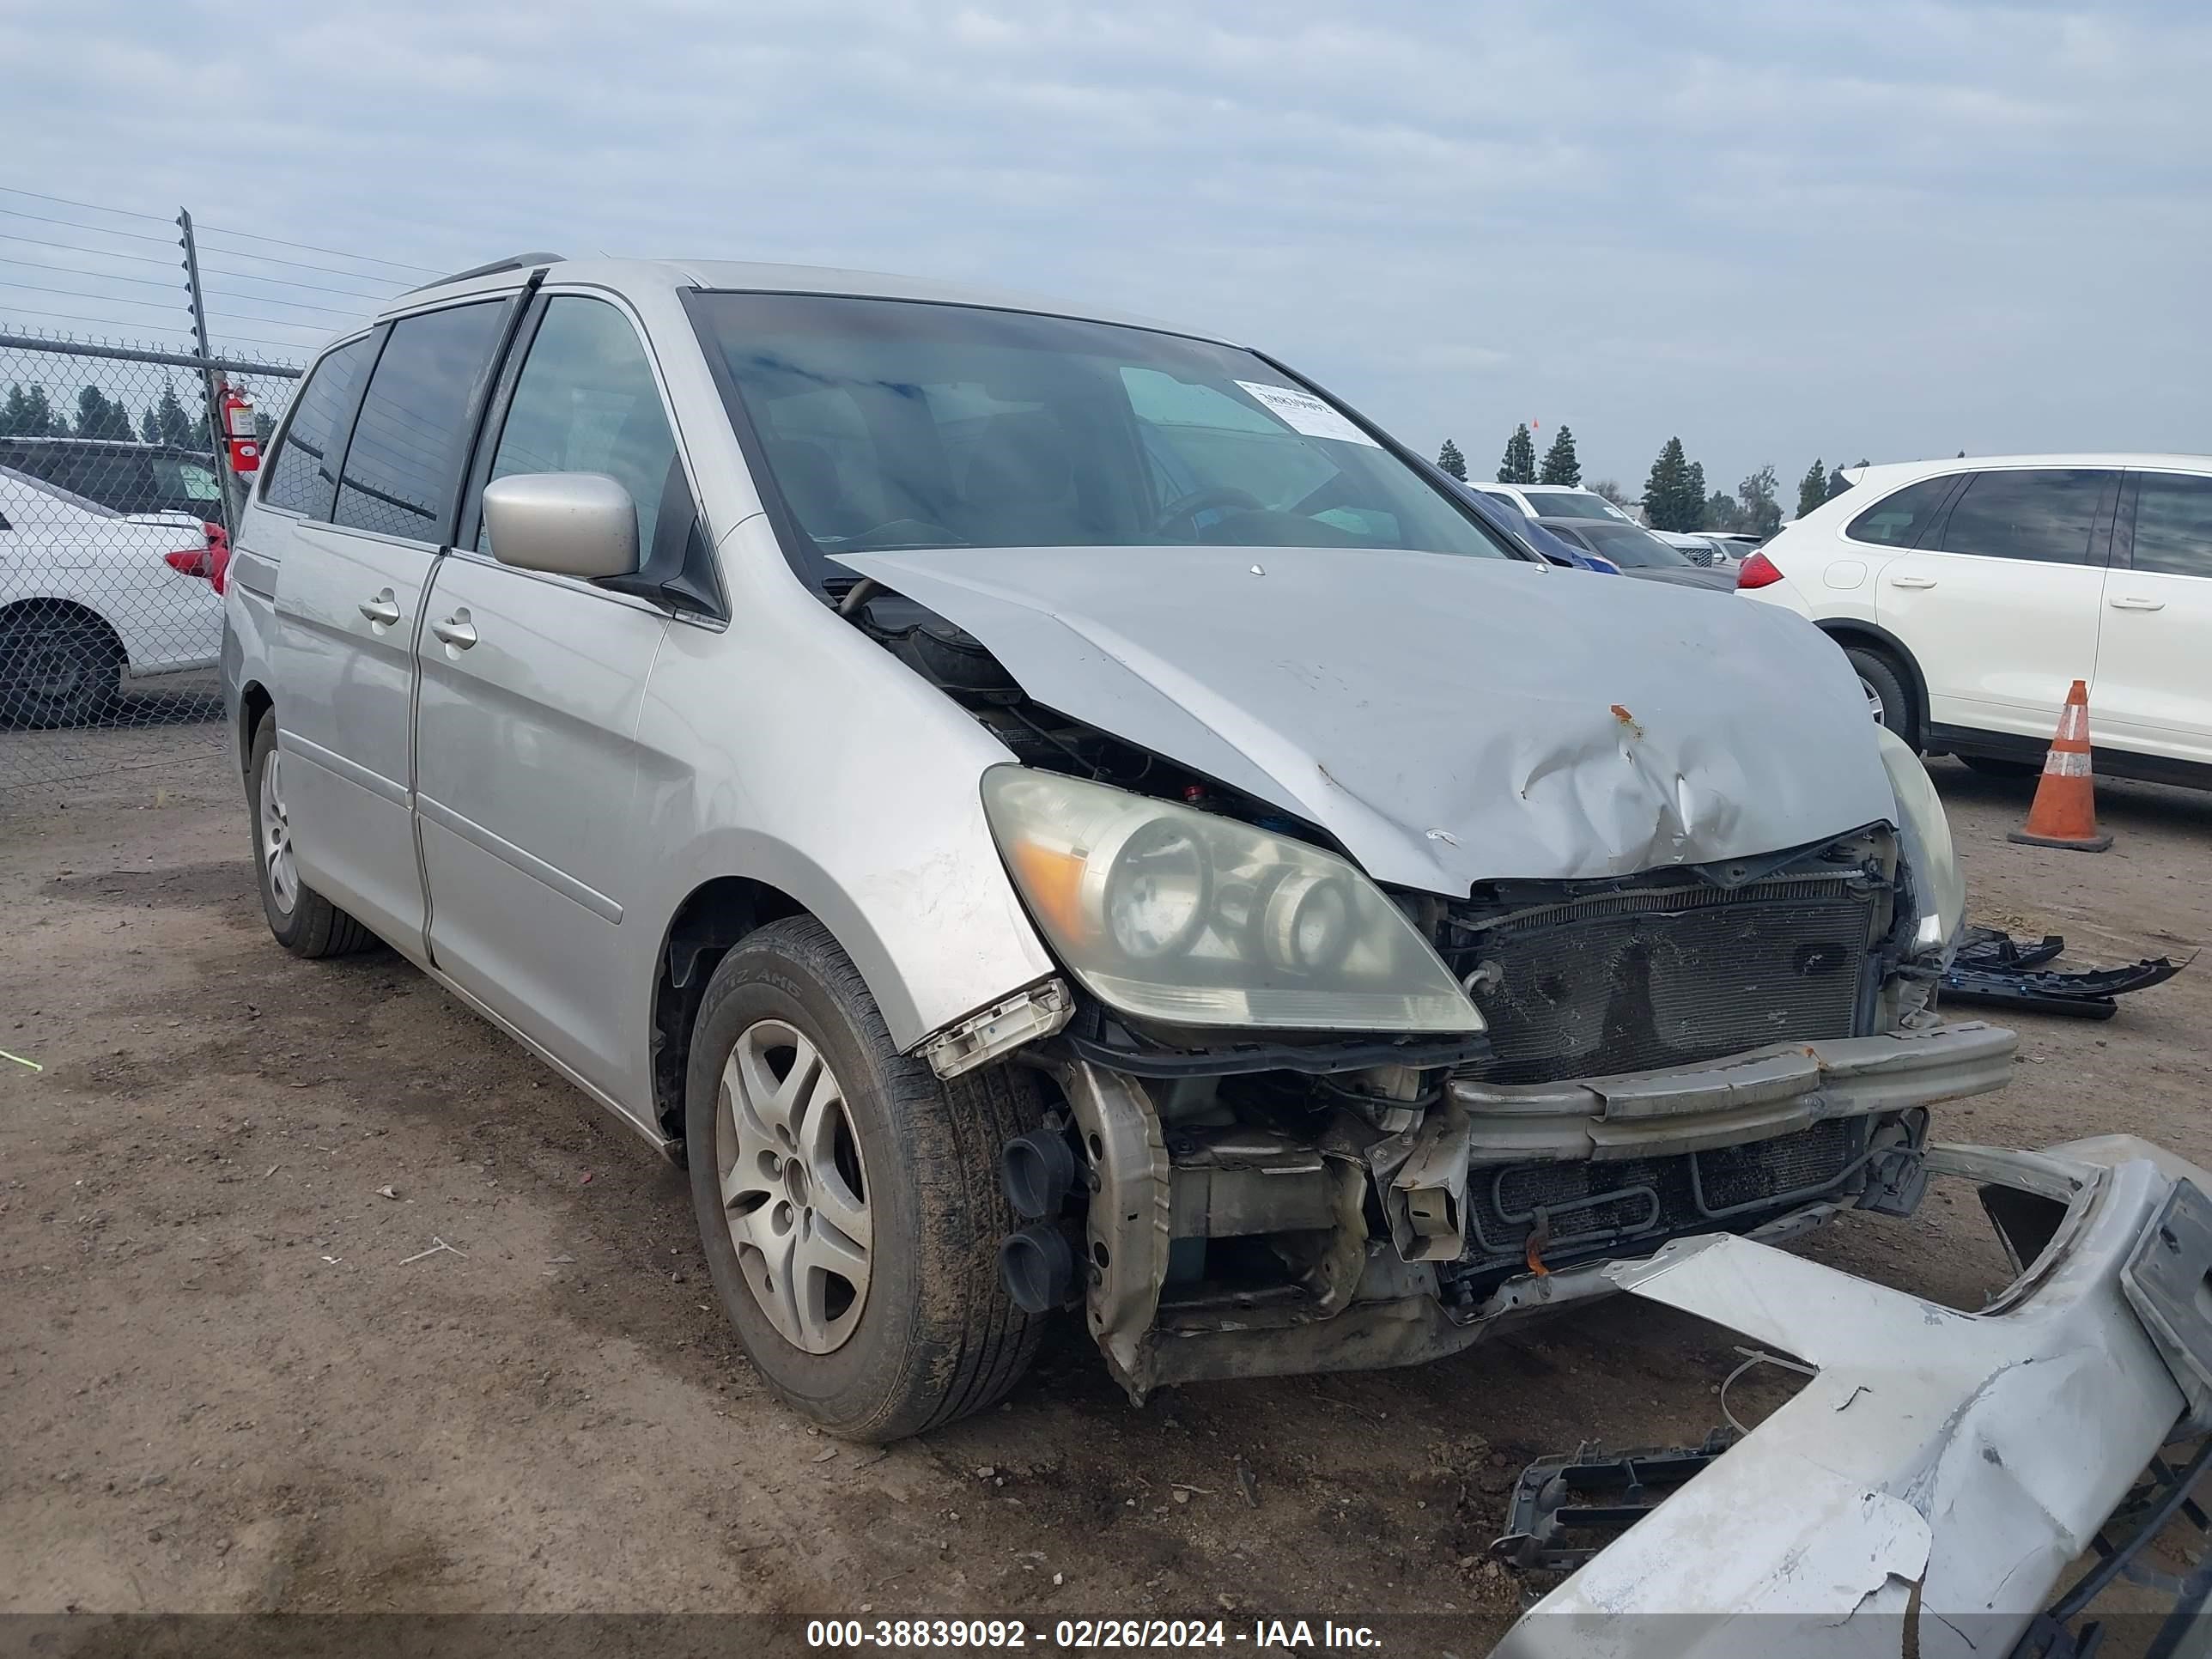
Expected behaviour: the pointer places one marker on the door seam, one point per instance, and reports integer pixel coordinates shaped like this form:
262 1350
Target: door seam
414 739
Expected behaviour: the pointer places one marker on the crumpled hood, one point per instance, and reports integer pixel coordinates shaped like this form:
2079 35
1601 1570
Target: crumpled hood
1449 720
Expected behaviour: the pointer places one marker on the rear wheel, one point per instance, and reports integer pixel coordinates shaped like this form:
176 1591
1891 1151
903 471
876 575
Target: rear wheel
1888 699
301 920
849 1201
59 666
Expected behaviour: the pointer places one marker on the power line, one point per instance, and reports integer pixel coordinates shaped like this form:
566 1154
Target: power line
293 282
174 286
301 265
107 299
97 252
179 305
71 224
356 320
310 247
293 305
127 213
242 252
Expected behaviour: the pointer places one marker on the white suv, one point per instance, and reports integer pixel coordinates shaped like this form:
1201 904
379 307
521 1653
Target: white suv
1970 593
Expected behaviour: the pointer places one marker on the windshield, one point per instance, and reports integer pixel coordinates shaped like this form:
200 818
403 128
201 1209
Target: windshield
1628 544
1578 504
892 424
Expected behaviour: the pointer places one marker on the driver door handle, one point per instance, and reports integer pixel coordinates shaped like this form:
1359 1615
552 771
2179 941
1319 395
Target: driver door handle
2129 602
1912 581
456 631
383 607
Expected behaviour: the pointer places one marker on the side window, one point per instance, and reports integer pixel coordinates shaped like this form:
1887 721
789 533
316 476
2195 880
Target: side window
2044 514
585 401
303 473
404 462
1900 519
2173 524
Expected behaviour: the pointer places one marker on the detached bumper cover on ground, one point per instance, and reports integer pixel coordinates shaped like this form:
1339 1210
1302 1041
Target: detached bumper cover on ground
1927 1489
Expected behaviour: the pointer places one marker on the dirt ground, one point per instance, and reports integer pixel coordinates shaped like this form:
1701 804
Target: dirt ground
232 1382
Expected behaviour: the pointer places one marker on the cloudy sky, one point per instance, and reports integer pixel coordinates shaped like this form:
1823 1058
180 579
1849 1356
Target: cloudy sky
1776 227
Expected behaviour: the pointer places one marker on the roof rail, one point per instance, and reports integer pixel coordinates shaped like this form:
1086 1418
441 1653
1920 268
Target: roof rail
512 262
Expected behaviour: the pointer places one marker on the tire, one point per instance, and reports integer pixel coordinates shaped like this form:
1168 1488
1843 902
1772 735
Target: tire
59 666
1995 766
1883 683
931 1335
305 923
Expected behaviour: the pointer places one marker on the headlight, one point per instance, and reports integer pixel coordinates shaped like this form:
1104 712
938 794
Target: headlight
1188 919
1938 886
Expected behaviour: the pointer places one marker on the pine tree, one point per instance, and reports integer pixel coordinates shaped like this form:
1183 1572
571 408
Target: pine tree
1560 466
27 413
1519 466
1812 487
1451 462
1666 491
1721 512
1762 512
1694 496
171 425
1838 484
96 417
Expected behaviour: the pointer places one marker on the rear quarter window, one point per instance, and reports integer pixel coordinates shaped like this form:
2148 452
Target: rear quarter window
303 474
1902 517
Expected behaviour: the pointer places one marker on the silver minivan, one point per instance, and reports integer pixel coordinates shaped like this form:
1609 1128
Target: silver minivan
1042 810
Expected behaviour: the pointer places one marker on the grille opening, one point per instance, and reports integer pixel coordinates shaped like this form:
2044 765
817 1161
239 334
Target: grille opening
1640 979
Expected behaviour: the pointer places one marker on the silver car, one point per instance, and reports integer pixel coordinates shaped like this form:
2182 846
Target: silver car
1043 810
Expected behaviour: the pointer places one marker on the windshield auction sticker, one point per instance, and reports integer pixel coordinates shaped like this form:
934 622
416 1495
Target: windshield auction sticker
1302 412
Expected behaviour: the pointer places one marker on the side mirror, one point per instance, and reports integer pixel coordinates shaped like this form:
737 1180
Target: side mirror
572 523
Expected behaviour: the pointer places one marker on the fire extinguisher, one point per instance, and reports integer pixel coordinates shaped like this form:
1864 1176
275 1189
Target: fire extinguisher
239 436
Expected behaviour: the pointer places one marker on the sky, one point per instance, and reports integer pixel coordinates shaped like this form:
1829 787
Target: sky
1778 230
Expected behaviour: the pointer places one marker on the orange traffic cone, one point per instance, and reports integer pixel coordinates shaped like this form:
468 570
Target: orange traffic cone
2064 811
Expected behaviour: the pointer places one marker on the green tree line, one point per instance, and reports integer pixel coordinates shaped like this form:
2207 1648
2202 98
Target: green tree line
28 412
1675 496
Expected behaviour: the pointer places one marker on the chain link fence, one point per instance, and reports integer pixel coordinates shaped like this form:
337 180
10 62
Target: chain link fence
116 503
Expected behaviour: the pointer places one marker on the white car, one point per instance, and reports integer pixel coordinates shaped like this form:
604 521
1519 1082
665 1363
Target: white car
1970 593
1537 500
90 598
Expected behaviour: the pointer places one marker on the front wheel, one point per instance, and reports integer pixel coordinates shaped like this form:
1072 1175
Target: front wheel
849 1201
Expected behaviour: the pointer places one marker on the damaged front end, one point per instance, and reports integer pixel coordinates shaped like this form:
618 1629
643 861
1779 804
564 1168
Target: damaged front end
1739 1049
1403 1024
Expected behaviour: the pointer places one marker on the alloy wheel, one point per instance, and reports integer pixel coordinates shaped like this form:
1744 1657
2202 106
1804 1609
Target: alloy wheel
795 1188
276 838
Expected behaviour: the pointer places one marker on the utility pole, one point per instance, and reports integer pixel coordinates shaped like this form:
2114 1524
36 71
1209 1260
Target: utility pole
211 388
